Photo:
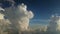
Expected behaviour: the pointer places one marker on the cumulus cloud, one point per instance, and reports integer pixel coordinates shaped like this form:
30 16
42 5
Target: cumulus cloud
25 15
18 16
54 24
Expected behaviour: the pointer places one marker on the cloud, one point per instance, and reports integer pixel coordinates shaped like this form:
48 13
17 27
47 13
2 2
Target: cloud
58 24
1 9
1 15
18 16
40 21
25 15
54 24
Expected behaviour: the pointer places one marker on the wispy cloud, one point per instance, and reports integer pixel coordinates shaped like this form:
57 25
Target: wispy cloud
41 21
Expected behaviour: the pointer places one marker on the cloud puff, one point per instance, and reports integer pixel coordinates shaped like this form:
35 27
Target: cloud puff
1 9
54 24
1 15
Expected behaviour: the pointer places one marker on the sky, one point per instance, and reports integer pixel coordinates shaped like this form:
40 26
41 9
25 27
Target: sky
42 9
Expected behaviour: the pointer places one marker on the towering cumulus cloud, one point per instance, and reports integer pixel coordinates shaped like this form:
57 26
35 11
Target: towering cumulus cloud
24 17
18 16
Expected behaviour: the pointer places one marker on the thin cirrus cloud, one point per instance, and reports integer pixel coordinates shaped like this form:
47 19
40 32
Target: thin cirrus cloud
40 21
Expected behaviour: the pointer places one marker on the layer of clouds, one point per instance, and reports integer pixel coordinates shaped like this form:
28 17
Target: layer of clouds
19 16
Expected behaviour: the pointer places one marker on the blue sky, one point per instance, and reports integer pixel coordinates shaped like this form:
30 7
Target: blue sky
42 9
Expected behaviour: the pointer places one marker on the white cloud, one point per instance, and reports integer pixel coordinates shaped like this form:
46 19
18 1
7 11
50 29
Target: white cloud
1 9
18 16
1 15
54 24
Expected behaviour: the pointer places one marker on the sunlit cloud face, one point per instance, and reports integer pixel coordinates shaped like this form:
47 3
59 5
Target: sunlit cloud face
58 22
1 15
